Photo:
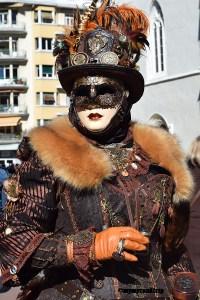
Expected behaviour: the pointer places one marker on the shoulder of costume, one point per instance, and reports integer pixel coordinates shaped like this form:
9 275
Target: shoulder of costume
69 154
164 149
76 161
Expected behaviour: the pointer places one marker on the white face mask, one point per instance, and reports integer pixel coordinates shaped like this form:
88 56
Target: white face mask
97 100
97 119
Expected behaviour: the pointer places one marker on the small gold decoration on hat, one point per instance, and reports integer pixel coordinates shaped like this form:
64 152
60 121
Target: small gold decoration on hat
79 58
109 58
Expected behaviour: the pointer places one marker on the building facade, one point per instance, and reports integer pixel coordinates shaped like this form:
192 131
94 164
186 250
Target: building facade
30 93
171 67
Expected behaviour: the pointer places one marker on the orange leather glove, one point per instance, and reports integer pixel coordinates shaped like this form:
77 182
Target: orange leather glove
106 242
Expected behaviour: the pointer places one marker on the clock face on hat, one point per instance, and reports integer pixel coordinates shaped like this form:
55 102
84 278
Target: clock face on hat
97 43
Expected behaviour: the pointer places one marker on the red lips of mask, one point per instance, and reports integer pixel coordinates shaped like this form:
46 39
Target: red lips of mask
95 116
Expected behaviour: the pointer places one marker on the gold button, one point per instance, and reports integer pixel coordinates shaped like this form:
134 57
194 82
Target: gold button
134 166
124 173
8 231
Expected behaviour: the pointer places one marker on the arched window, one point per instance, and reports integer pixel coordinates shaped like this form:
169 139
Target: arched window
156 55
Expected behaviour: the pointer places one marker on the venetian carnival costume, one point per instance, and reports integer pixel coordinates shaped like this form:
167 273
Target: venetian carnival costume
102 213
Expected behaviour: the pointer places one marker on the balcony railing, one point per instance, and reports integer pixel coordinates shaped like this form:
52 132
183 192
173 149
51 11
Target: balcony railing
13 109
19 84
14 28
6 54
10 136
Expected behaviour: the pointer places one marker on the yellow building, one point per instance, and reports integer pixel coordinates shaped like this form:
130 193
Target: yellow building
30 93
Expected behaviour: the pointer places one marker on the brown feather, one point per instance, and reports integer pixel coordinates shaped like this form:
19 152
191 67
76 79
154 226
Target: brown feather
90 26
130 19
100 12
77 20
125 19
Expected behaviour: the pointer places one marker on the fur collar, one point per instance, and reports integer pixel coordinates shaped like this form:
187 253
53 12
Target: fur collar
76 161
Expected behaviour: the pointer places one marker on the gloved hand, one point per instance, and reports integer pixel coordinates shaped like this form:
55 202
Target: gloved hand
106 242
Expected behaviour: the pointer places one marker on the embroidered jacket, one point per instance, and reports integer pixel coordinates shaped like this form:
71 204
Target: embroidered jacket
67 185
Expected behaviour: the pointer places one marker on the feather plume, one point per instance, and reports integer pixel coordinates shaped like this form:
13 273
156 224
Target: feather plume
126 18
101 11
77 20
87 16
129 21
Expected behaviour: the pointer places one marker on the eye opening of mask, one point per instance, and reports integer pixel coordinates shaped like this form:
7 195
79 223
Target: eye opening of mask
98 92
106 89
82 90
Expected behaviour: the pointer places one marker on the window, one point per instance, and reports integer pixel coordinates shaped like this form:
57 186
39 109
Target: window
45 98
42 122
48 99
43 17
158 40
69 20
4 101
14 45
36 16
3 17
15 71
44 44
46 121
46 16
37 71
47 71
156 58
4 72
4 46
14 17
15 100
44 71
36 43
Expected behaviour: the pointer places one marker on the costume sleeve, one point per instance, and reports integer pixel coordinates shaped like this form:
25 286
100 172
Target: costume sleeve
177 226
29 214
27 241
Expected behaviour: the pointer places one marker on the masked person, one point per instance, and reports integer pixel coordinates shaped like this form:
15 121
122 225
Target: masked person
98 208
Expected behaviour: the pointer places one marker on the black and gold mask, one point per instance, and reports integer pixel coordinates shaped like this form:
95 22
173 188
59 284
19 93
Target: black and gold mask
97 92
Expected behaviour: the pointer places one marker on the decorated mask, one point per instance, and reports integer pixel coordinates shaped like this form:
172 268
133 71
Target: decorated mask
97 100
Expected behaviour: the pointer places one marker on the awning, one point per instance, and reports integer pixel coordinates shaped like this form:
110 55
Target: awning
16 5
9 121
46 14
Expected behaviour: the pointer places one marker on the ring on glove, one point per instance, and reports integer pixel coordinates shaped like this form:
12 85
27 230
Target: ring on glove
118 255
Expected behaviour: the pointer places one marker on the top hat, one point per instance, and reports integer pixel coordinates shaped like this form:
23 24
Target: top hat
107 42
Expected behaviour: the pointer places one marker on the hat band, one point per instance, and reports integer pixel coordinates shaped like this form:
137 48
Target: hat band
82 58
